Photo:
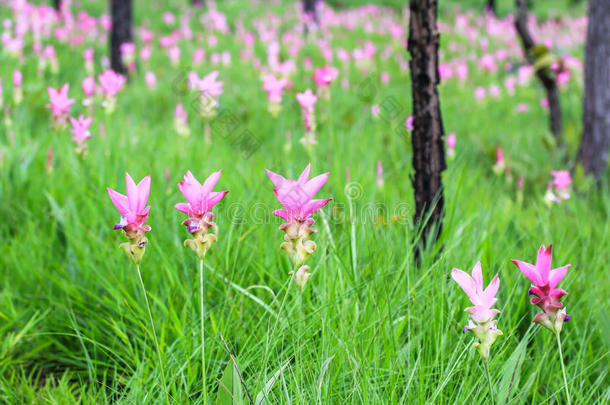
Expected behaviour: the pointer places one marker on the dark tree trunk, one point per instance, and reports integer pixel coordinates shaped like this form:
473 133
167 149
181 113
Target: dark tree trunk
309 8
491 6
57 5
595 142
121 32
544 74
427 136
197 3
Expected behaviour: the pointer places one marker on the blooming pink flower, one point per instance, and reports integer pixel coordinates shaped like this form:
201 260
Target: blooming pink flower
307 100
200 200
209 85
151 79
80 128
88 86
132 207
111 82
561 182
451 140
379 174
297 196
324 76
409 123
480 93
482 315
274 87
546 295
60 103
17 78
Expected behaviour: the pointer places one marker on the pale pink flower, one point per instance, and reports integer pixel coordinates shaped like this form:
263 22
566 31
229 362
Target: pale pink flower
88 86
17 78
522 108
375 110
379 174
132 207
111 82
480 93
274 87
451 140
209 85
151 79
546 295
409 123
324 76
80 128
561 182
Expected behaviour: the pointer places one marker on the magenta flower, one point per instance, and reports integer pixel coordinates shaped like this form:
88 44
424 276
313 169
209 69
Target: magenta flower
296 196
308 100
88 86
323 77
482 315
111 82
561 182
134 213
200 200
60 103
274 87
545 294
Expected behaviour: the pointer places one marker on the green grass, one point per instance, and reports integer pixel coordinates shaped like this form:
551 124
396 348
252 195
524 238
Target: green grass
373 327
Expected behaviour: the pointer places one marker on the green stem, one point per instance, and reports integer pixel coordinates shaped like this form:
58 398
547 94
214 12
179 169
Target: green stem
563 368
154 333
203 371
491 389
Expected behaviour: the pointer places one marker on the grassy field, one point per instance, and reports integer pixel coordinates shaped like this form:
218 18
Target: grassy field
371 327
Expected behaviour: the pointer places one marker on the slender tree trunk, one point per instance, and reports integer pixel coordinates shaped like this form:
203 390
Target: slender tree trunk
197 3
544 74
427 136
595 142
121 32
57 5
491 7
309 8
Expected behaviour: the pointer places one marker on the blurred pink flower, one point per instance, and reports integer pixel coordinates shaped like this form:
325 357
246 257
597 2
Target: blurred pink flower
132 207
324 76
60 103
111 82
151 79
80 128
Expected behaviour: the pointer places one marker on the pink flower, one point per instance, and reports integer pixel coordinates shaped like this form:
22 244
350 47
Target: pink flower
88 86
409 123
209 85
60 103
200 200
482 298
132 207
297 196
385 77
324 76
480 93
17 78
379 174
561 182
451 140
111 82
522 108
307 100
546 295
151 79
274 87
80 128
375 110
88 55
482 315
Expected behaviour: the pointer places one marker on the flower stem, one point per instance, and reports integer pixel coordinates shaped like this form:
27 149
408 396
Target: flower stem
491 389
203 371
563 368
154 333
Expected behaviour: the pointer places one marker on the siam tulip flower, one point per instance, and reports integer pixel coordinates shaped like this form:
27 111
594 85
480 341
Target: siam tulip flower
379 174
209 91
480 93
151 80
461 71
275 89
60 103
146 52
200 200
80 130
482 315
174 55
181 121
301 276
323 77
451 141
49 162
88 56
494 91
308 100
409 123
500 165
545 294
385 78
17 91
561 182
110 82
198 56
128 53
522 108
296 196
134 213
375 110
88 90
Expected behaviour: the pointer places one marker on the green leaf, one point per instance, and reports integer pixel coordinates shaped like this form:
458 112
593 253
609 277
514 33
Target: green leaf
230 391
511 372
261 398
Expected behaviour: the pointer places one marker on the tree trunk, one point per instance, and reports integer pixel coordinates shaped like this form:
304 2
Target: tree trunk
595 142
544 74
121 32
491 7
309 8
427 136
57 5
197 3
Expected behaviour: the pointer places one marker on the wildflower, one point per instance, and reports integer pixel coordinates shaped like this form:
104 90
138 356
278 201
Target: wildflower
561 182
134 213
323 77
17 92
308 100
409 123
209 91
451 141
88 55
181 121
297 199
60 103
80 132
275 89
151 80
110 82
200 200
128 53
379 174
88 87
500 165
482 315
545 294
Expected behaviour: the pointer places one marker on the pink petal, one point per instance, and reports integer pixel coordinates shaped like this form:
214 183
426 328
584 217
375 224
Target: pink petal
210 182
556 275
119 200
489 295
312 186
528 270
276 179
143 192
215 199
305 175
183 207
313 206
543 262
132 193
282 214
466 283
477 276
